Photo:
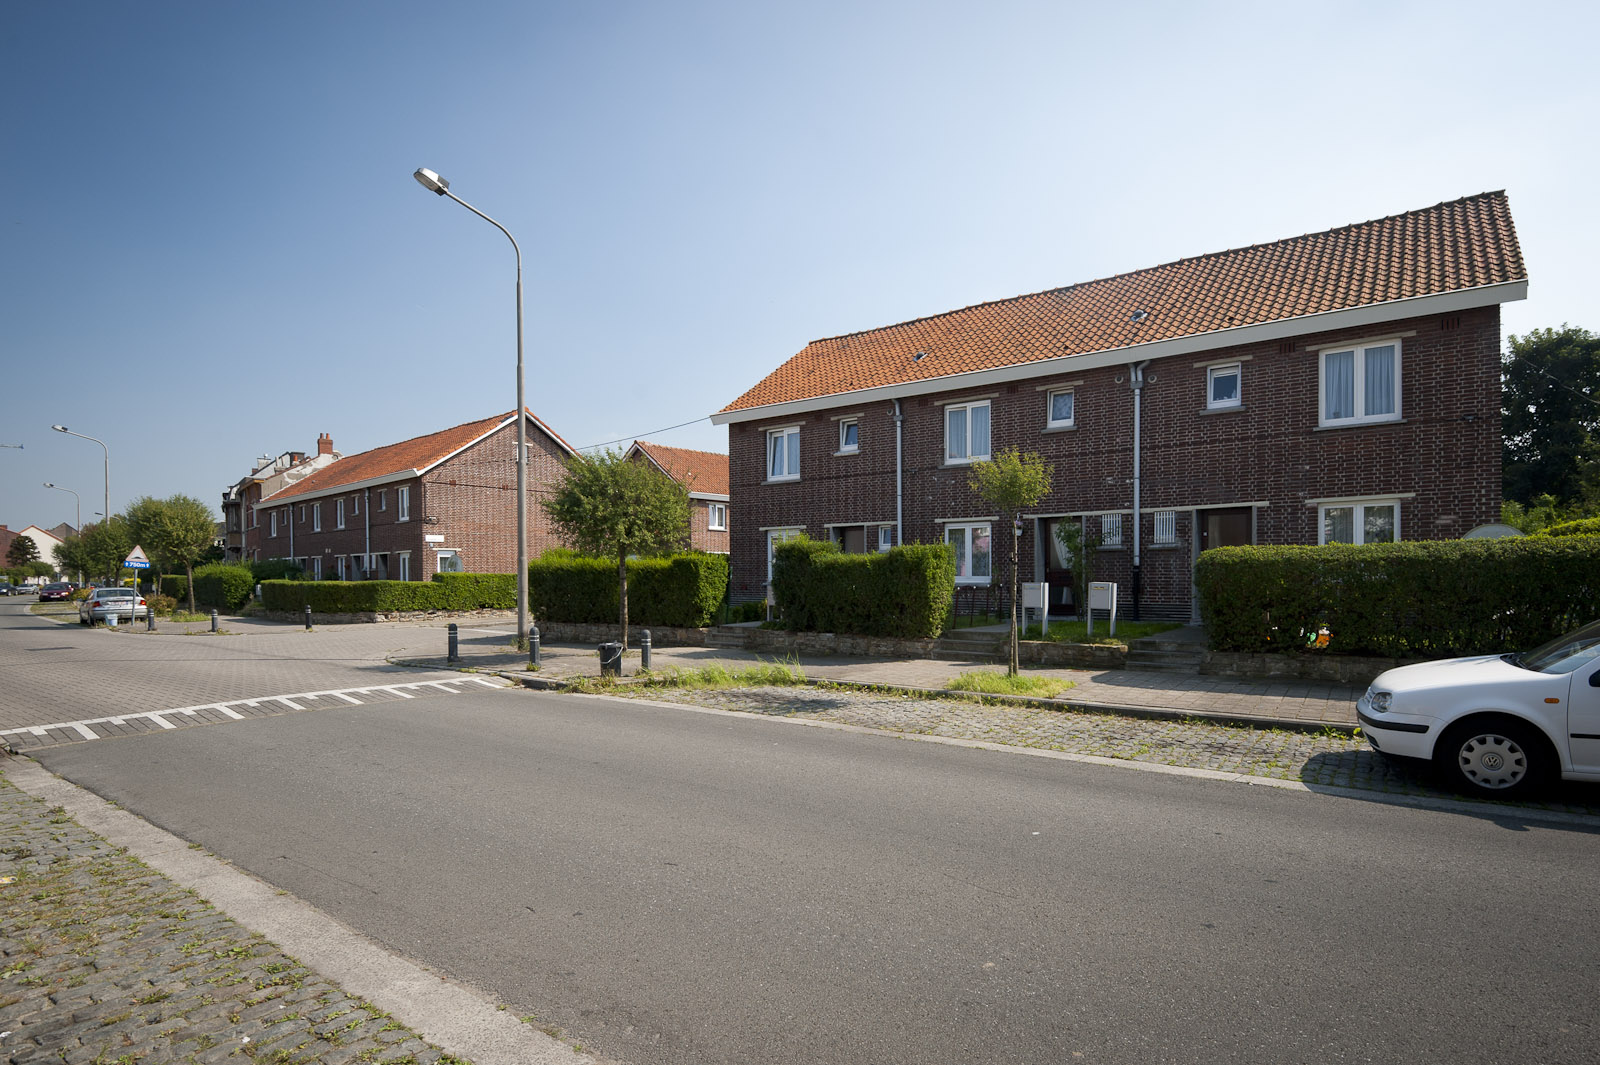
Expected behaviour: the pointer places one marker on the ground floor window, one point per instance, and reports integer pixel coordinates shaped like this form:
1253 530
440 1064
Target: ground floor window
404 572
449 562
1359 523
774 538
973 552
861 539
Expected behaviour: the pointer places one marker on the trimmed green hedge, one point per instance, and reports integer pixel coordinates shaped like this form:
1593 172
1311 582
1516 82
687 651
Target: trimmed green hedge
684 590
175 585
903 592
1429 599
1581 527
222 586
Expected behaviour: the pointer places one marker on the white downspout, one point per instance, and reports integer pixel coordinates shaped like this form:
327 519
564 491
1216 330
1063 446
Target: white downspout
899 533
291 532
1136 379
366 520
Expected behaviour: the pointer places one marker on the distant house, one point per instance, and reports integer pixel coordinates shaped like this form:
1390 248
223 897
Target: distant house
268 476
704 475
1338 387
45 541
442 502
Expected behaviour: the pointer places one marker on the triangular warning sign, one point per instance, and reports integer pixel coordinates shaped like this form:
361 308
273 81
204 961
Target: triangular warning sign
136 555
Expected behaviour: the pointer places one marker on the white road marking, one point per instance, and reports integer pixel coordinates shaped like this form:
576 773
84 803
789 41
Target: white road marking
156 716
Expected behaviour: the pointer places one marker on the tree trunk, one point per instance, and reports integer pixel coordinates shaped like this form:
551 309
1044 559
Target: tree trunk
622 589
188 573
1012 664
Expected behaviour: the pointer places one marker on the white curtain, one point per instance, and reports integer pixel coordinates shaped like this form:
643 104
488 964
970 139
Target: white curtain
955 433
980 430
1380 380
1339 385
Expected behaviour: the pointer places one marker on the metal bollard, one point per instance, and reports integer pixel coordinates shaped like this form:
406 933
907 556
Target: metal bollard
213 619
644 650
455 652
149 620
533 647
308 617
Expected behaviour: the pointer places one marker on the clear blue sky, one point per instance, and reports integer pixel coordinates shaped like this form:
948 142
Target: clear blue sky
213 248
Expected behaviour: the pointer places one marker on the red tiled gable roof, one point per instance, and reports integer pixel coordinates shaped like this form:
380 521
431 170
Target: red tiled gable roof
395 460
1463 244
698 471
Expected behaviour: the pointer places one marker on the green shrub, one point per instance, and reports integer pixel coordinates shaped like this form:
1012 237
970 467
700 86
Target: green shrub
275 569
683 590
574 589
1581 527
161 605
222 586
1419 599
905 591
756 611
477 591
353 597
175 585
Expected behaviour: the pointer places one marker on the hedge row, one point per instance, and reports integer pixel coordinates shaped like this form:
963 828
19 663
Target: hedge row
1419 599
684 590
221 586
175 585
1581 527
903 592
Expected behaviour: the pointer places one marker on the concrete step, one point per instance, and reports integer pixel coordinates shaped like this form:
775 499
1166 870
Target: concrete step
1187 661
728 636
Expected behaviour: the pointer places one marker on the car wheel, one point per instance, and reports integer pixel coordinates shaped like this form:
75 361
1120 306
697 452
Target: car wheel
1495 758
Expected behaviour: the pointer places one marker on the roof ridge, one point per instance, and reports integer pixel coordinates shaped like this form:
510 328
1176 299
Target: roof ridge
642 442
1158 266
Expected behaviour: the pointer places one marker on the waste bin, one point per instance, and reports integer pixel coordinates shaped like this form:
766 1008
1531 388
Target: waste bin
611 659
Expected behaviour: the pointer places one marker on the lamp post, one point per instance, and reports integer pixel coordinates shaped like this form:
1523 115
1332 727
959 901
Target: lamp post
79 501
102 443
438 185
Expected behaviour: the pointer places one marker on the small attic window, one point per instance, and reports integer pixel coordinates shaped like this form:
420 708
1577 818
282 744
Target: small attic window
1138 316
919 356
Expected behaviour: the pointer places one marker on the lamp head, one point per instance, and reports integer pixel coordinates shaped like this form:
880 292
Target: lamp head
61 428
47 484
431 181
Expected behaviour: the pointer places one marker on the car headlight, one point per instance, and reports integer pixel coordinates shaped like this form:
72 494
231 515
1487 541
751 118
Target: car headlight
1381 700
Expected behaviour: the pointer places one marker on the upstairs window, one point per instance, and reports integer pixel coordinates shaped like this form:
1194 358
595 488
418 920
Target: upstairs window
849 435
383 499
403 503
272 520
966 433
316 517
719 516
1361 384
1061 412
783 454
338 513
1223 386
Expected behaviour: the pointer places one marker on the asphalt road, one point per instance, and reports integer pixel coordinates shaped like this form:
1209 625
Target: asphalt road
679 887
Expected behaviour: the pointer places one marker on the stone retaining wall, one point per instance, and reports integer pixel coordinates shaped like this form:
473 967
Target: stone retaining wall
1337 669
1071 655
778 641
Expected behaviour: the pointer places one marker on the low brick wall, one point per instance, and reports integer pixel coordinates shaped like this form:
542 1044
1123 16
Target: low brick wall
660 635
568 632
1336 669
777 641
1071 655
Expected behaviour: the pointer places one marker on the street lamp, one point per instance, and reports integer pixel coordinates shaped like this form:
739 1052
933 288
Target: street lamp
439 186
79 500
102 443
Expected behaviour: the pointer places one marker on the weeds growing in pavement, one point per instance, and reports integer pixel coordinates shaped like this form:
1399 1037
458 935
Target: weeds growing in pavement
990 683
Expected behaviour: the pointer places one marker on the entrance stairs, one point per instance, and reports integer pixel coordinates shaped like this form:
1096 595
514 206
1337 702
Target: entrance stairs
1175 651
981 643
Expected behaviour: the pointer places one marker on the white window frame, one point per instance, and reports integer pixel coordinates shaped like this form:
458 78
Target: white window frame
338 566
971 456
851 447
338 513
1109 524
383 499
439 556
969 528
885 537
1359 386
316 517
316 567
405 566
1050 420
355 504
1358 517
776 537
717 517
403 502
302 513
782 437
272 524
1236 369
1164 532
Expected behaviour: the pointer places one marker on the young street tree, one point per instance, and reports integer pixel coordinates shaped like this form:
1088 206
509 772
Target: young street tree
177 531
610 507
98 550
1012 482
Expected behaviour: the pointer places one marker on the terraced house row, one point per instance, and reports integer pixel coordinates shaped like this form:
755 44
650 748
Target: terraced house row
1337 387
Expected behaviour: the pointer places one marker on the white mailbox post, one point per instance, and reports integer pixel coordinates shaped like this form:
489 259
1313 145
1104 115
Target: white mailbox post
1036 597
1102 596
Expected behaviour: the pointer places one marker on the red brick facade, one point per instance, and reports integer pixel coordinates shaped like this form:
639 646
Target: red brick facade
1438 463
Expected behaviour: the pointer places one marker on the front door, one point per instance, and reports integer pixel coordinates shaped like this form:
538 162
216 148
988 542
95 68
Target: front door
1222 527
1058 566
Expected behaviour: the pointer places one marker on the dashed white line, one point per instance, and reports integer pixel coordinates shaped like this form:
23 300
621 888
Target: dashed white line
401 691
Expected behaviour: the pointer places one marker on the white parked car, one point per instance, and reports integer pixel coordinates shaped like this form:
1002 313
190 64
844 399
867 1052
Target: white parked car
125 603
1496 725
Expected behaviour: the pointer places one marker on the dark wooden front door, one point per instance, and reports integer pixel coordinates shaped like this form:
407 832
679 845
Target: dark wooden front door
1226 527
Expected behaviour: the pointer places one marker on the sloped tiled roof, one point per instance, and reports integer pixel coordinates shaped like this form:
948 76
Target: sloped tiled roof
395 460
697 471
1463 244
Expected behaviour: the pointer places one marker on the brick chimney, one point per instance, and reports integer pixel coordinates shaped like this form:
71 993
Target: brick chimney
324 444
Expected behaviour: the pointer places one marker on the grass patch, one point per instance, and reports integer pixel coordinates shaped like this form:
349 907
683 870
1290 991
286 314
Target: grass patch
185 616
1078 631
986 682
760 675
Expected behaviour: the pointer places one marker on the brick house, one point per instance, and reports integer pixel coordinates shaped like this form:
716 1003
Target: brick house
704 475
441 502
241 539
1342 386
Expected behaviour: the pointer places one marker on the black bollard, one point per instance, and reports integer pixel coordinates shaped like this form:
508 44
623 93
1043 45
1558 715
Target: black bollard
455 653
149 620
308 617
213 619
644 650
533 647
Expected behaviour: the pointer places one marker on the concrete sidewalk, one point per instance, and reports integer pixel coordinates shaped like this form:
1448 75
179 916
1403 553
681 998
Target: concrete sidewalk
1271 703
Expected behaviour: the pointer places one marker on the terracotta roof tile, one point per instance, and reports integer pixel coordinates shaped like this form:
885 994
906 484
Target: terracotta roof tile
698 471
393 460
1463 244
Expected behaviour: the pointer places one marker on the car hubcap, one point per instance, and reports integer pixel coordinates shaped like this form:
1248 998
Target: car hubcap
1493 761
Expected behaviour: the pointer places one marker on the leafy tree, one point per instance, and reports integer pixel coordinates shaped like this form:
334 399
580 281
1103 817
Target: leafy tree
22 550
1550 416
99 549
1012 482
177 531
612 508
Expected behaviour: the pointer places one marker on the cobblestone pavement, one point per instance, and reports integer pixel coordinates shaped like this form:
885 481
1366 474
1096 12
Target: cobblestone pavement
103 960
1330 759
